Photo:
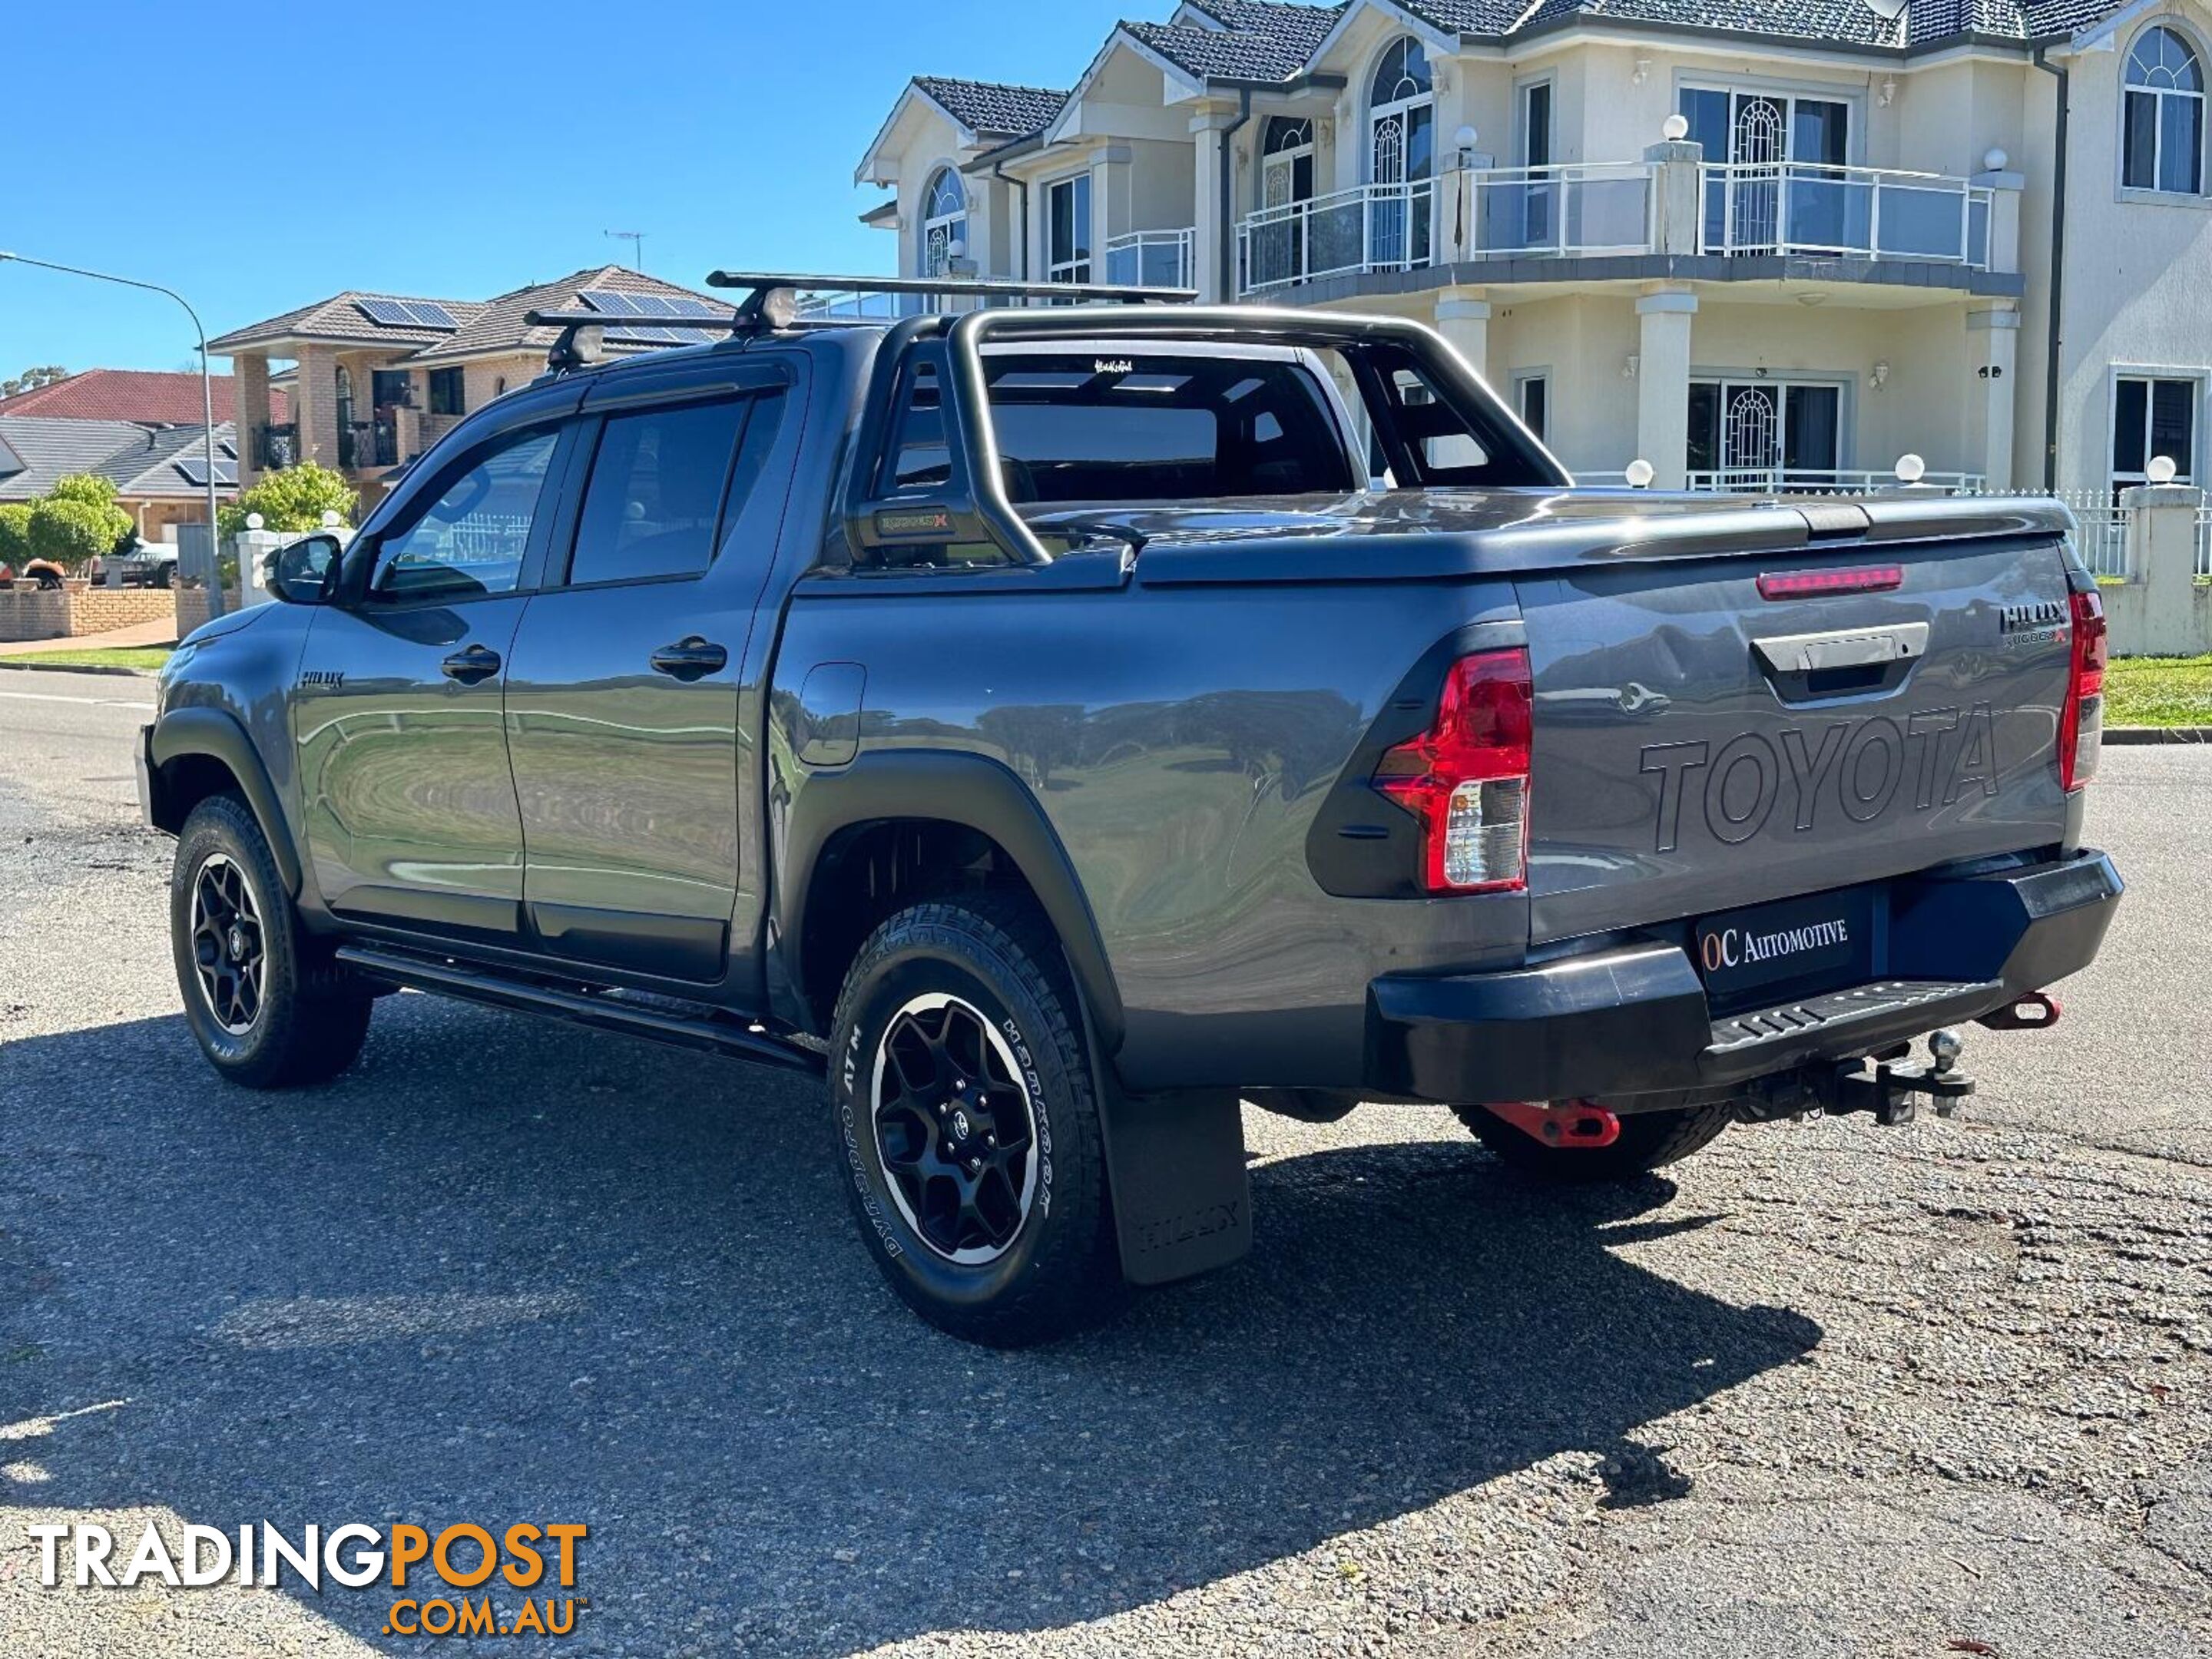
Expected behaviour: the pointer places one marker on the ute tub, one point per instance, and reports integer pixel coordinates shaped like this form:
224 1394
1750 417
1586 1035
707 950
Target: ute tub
1634 1020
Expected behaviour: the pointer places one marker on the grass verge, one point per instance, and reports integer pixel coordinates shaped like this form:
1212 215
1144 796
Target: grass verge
148 657
2158 691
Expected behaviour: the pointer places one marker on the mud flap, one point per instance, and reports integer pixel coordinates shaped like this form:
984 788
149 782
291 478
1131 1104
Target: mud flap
1175 1163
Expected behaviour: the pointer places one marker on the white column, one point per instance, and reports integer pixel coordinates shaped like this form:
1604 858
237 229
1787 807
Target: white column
1463 319
1662 384
1677 200
2158 612
1992 353
2005 190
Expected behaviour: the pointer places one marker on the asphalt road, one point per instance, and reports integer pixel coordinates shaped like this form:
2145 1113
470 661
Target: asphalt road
1832 1390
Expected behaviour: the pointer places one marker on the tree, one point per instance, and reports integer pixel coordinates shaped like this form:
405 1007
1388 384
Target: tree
97 497
71 533
294 499
87 487
14 534
31 378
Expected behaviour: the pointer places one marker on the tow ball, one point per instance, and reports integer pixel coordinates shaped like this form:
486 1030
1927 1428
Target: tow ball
1893 1090
1562 1122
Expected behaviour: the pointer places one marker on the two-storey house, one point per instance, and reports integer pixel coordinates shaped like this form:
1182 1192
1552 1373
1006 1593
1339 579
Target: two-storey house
1752 242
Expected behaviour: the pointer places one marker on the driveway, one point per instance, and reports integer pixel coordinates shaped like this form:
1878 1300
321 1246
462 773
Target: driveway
1829 1389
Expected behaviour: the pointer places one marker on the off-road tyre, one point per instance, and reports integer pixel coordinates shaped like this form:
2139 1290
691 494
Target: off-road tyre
991 957
1648 1141
307 1017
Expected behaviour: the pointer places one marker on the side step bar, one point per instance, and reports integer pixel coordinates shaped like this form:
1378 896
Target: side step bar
656 1023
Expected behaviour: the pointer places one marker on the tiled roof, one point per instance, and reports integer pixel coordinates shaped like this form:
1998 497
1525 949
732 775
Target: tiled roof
148 397
1839 22
1220 54
991 108
155 465
1300 28
35 450
497 327
340 320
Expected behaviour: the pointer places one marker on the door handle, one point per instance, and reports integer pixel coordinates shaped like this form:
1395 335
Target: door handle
691 658
1846 648
478 662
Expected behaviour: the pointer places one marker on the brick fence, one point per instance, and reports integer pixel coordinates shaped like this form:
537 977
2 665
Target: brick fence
33 613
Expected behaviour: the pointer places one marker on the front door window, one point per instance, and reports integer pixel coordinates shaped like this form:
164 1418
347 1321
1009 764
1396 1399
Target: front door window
1276 250
1764 435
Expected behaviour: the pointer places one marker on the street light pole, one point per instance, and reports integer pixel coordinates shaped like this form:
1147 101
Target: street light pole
207 373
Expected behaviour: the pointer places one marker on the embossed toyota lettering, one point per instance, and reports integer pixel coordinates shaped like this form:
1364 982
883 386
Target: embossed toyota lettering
1858 767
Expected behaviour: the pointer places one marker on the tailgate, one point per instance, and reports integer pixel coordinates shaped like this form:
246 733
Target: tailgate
1700 747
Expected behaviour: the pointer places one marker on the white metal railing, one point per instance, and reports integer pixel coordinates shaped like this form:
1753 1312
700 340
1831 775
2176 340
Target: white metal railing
1153 258
1580 209
2105 524
1850 213
1825 481
1369 228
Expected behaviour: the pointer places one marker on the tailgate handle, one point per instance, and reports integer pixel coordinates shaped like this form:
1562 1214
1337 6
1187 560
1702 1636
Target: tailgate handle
1845 648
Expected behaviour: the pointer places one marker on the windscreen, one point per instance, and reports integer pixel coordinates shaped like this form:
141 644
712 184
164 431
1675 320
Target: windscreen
1142 427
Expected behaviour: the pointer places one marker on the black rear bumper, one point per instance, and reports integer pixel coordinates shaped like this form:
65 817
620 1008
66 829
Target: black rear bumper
1635 1020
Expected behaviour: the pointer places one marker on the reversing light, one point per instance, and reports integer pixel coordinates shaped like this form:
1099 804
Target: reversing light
1466 777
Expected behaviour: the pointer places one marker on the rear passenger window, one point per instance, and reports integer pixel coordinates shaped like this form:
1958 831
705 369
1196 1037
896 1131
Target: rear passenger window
468 541
658 485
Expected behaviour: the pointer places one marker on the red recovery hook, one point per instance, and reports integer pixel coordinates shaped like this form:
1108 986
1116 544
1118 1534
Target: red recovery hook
2037 1011
1562 1122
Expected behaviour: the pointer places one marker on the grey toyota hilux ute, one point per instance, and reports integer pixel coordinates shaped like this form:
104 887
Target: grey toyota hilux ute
1055 725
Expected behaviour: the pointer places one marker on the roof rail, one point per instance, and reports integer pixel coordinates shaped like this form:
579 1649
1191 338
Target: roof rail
580 346
772 297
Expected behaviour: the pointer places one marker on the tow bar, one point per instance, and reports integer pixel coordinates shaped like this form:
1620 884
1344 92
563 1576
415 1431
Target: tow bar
1892 1091
2037 1011
1562 1123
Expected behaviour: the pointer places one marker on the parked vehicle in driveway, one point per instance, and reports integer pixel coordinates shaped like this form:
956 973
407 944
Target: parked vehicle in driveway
1044 724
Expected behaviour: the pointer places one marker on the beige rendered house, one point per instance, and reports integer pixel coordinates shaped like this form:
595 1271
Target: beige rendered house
376 379
1750 242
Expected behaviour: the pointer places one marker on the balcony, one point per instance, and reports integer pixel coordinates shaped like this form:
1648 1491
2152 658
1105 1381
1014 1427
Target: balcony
1793 209
369 444
1351 232
1153 258
1825 481
1576 211
276 448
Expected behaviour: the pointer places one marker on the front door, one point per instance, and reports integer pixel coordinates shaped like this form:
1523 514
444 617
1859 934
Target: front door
635 785
409 805
1766 434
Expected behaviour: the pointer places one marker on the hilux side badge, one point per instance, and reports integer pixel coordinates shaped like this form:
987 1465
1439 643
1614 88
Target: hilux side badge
917 522
330 676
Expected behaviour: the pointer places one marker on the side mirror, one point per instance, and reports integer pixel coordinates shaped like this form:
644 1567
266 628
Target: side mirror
306 571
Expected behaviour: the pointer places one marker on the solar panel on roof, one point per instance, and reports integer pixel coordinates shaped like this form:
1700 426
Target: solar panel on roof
610 301
388 313
651 305
687 306
431 314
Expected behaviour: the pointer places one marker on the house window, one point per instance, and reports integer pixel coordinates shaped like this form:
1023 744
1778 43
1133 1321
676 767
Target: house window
945 223
447 393
1535 403
1068 222
1784 186
1536 125
2150 418
2163 127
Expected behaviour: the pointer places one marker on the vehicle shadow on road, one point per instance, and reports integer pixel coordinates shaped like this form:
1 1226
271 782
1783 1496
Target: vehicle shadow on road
510 1271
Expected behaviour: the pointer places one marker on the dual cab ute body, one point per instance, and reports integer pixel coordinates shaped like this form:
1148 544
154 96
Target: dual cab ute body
1293 752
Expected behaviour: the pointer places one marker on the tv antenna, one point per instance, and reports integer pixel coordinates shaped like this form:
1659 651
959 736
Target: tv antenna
636 241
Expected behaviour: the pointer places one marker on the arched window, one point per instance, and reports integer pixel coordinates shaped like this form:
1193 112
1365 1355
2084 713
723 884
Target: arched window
943 223
1286 162
1401 141
2162 129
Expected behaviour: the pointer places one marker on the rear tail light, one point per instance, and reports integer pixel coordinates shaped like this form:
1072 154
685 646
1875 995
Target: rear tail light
1825 584
1466 777
2081 722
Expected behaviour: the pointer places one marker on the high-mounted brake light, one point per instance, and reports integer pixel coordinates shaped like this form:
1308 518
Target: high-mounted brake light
1821 584
2081 722
1466 777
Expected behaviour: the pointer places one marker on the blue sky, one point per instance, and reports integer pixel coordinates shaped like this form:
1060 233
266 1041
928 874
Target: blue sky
338 160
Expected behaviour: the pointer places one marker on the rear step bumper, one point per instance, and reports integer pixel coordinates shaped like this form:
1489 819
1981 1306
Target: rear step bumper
1634 1020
